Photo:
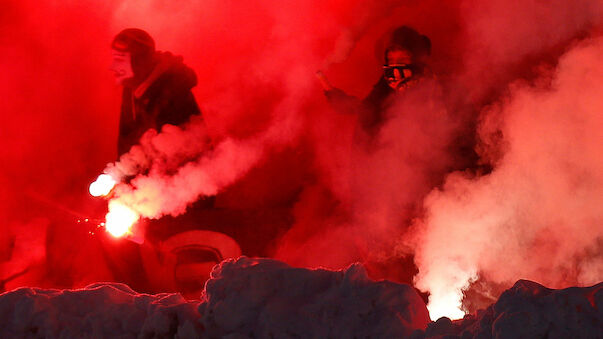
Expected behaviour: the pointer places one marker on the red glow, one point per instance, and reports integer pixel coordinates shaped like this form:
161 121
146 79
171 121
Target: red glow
289 170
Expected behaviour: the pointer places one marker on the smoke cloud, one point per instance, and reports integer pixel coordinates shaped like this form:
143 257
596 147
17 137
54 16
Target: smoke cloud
537 215
524 76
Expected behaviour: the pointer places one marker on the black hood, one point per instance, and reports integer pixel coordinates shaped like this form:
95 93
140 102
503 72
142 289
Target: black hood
168 67
174 65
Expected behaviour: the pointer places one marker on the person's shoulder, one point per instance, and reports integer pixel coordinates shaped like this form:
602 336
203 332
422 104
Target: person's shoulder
176 72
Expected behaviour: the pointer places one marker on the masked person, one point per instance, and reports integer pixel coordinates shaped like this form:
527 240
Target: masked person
156 87
157 91
405 65
407 139
393 122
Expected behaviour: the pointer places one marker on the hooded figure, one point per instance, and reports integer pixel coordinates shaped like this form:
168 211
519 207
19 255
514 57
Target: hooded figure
405 64
156 87
156 91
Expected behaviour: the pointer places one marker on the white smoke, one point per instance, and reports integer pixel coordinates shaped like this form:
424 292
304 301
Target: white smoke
159 193
538 214
174 168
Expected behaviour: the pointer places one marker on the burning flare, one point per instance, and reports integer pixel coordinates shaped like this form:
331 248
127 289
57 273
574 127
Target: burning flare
446 283
120 219
102 185
446 304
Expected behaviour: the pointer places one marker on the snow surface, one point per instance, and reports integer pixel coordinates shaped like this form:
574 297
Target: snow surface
269 299
530 310
265 298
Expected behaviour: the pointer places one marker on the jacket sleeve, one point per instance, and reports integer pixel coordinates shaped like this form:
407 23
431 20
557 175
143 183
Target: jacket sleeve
369 110
343 102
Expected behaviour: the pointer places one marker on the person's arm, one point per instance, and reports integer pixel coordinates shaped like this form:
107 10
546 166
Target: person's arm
337 98
324 82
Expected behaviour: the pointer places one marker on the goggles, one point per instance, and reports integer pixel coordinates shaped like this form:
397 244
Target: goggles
388 70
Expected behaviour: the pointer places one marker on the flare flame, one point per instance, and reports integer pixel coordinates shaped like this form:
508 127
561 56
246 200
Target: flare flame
120 219
102 186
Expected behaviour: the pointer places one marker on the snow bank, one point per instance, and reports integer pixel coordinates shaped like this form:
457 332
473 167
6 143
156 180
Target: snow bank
265 298
102 310
530 310
247 297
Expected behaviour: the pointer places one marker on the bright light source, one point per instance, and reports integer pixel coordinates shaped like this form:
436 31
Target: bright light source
102 185
120 219
446 305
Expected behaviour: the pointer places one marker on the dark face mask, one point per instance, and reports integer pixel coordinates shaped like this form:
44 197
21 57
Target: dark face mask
389 71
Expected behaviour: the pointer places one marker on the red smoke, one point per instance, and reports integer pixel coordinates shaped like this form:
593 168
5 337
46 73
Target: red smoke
262 105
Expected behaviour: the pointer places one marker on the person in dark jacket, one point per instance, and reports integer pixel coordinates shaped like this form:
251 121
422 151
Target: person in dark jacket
406 81
156 87
405 65
156 91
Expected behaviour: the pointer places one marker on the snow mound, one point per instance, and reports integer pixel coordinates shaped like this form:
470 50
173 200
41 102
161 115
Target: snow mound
530 310
261 298
101 310
264 298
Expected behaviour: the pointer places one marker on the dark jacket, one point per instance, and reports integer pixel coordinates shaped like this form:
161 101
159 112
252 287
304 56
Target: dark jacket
165 97
371 110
